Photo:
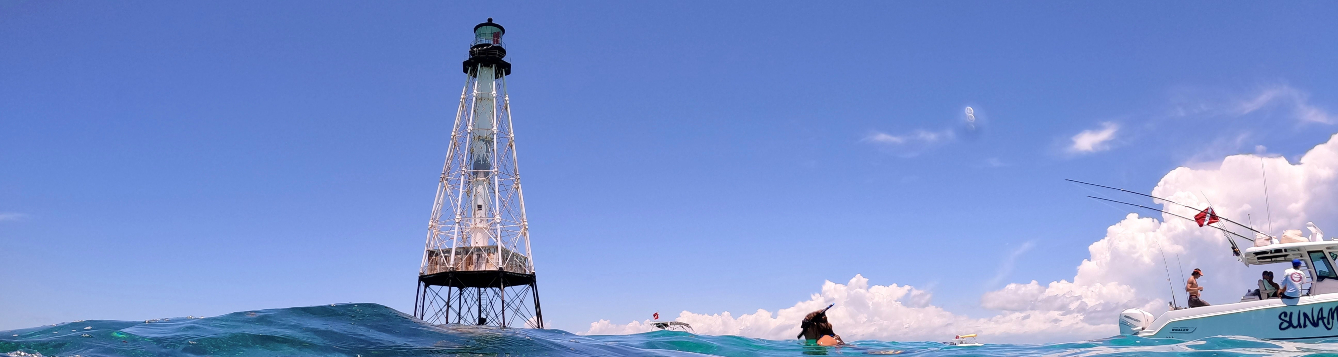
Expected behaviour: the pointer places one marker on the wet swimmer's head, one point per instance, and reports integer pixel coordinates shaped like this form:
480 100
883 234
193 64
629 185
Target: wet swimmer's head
816 317
816 330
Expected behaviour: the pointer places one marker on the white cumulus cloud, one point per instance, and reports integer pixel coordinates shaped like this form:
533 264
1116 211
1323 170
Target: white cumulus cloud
1093 140
1137 264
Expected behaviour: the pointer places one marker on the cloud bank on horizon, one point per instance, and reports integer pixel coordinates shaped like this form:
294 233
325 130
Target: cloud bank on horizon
1124 270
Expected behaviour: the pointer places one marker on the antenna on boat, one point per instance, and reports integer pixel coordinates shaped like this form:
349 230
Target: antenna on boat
1267 206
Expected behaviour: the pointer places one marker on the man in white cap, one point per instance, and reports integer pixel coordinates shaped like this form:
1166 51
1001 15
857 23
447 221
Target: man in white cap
1292 280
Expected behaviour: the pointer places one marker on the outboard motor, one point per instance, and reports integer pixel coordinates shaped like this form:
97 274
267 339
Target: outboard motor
1133 321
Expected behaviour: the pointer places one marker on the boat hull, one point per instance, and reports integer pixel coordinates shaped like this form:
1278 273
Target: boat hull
1307 318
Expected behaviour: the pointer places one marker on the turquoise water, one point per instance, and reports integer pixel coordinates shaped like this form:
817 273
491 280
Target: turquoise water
375 330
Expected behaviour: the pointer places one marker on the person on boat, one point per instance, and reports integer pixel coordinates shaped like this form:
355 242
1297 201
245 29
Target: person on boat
815 330
1193 287
1292 280
1267 288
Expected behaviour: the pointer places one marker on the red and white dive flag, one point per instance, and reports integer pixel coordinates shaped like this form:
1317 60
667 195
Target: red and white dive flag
657 316
1207 215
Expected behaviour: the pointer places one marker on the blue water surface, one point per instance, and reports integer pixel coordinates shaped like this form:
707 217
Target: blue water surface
374 330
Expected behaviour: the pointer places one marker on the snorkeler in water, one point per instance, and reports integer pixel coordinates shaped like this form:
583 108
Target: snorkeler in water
815 330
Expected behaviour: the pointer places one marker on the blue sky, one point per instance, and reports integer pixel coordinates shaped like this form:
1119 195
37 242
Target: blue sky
169 159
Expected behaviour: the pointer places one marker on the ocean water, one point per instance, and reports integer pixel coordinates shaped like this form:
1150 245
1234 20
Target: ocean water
374 330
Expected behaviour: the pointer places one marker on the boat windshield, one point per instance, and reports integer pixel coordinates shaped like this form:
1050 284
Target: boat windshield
1323 268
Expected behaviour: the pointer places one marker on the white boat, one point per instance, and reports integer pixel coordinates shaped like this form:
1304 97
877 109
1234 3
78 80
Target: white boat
1312 316
965 341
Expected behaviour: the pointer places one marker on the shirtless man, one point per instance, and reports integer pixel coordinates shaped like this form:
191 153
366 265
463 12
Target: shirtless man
1193 287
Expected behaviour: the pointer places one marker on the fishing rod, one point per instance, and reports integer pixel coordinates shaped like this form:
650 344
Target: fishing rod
1173 214
1235 250
1173 202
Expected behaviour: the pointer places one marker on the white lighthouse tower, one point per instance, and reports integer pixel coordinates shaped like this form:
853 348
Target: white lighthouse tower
477 268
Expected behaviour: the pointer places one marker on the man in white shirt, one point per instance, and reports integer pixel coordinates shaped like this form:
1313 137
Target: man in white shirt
1292 280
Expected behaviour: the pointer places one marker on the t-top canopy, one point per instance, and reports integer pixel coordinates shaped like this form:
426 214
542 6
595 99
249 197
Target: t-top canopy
1284 253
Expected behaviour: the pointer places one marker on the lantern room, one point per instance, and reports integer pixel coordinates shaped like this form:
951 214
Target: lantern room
488 33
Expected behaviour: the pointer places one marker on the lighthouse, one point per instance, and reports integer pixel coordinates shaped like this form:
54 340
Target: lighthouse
477 268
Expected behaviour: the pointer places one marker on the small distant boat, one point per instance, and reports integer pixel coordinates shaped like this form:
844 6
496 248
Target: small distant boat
672 326
964 341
